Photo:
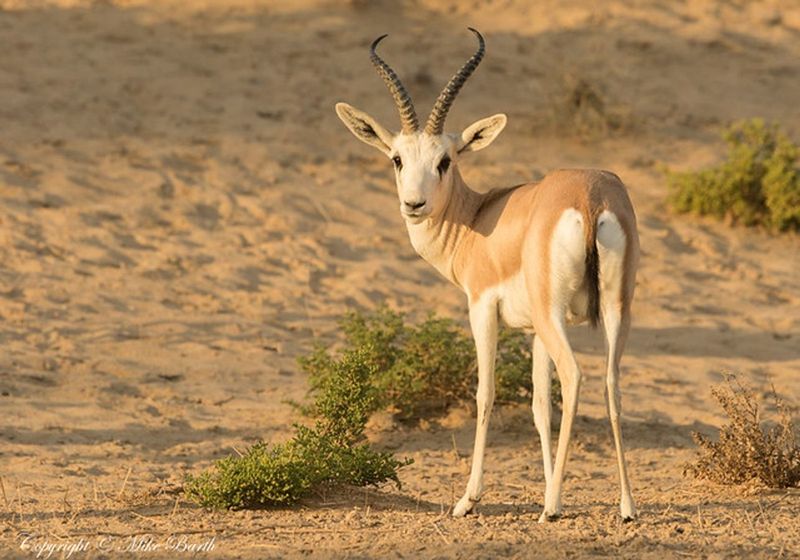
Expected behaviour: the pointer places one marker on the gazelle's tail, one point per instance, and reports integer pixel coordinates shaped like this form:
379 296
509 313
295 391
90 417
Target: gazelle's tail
592 276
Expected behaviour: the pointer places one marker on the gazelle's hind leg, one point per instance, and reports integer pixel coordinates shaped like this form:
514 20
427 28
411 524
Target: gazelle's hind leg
567 258
554 337
542 407
615 310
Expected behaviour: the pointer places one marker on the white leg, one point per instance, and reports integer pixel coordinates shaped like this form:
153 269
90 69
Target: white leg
611 246
616 331
567 268
483 321
555 340
542 408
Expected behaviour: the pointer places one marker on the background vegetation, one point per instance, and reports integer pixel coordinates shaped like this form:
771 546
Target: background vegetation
758 183
422 370
749 448
414 371
332 452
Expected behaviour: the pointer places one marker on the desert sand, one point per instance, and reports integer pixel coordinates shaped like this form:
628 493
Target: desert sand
182 215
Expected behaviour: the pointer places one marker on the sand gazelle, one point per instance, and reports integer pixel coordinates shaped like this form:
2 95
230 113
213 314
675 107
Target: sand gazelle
539 256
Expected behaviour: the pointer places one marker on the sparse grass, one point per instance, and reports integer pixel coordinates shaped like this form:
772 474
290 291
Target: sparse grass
748 449
332 452
422 370
758 183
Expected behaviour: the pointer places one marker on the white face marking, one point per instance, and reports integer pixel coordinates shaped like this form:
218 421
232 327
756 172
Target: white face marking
423 170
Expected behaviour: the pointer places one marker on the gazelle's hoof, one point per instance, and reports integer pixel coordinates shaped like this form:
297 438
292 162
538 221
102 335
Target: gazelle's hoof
464 506
552 508
627 511
549 517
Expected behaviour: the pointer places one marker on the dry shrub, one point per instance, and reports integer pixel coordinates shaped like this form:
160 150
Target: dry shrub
748 449
586 108
581 108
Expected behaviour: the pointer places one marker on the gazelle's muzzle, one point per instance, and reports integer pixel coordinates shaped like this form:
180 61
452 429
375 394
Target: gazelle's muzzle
414 211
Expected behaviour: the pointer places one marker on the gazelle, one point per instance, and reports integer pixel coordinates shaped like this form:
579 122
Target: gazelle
539 256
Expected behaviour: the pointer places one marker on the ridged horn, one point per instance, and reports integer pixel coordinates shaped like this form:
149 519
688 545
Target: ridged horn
435 124
408 116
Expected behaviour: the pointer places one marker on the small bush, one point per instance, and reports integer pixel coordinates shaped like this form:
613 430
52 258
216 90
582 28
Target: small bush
422 370
332 452
577 105
513 370
747 450
758 183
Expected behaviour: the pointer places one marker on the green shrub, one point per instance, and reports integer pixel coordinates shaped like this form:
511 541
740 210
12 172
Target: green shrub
757 184
422 370
514 368
747 449
332 452
781 186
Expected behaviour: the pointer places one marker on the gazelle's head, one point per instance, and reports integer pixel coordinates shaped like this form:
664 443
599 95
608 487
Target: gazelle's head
424 161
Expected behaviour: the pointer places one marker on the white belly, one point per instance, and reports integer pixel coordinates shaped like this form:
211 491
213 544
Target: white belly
515 302
515 306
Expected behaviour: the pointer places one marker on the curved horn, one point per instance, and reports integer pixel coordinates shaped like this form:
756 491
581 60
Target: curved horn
435 124
408 116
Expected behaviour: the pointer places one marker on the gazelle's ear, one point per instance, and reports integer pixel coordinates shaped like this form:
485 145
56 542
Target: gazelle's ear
365 128
480 134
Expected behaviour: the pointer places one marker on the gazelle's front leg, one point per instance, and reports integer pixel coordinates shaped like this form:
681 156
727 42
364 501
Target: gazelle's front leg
483 321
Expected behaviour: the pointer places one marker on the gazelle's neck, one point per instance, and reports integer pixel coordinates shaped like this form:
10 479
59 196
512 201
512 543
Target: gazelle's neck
437 239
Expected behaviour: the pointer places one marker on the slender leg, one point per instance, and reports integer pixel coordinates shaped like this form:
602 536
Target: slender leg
555 340
567 257
615 297
616 326
542 409
483 321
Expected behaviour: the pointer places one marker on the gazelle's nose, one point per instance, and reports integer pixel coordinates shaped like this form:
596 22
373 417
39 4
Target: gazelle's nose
413 204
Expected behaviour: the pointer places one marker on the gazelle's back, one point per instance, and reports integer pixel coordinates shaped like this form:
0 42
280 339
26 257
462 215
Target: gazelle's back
526 217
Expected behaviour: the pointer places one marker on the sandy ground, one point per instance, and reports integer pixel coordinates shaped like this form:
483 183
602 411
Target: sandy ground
182 215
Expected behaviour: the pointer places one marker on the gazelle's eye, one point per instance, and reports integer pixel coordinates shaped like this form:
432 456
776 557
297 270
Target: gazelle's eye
444 165
398 163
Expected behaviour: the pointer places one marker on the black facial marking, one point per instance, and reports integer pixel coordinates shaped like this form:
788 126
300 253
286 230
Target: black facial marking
444 165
